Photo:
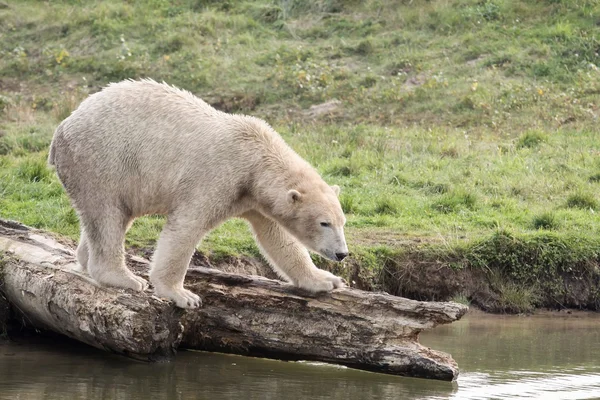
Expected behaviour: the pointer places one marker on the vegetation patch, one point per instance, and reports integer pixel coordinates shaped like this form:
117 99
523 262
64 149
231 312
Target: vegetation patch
546 220
531 139
348 204
585 201
33 170
501 273
453 202
386 206
538 267
594 178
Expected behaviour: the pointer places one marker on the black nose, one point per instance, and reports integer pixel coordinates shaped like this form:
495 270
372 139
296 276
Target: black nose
341 256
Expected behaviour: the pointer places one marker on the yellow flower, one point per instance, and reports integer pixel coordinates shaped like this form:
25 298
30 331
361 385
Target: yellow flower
61 56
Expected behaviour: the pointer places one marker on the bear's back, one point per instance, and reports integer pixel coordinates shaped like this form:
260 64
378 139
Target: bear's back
144 131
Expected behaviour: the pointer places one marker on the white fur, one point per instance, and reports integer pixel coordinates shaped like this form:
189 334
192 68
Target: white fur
140 147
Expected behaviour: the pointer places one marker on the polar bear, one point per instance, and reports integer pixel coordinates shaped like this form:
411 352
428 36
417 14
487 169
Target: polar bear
142 147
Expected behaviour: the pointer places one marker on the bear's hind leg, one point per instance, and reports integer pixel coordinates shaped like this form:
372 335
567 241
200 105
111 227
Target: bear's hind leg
83 252
171 259
105 234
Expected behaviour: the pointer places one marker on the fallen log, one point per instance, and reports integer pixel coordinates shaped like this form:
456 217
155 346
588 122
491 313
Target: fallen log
246 315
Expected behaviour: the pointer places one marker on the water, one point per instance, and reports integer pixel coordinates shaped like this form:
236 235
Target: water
541 357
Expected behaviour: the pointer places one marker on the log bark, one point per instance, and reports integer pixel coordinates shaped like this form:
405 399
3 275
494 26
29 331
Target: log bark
246 315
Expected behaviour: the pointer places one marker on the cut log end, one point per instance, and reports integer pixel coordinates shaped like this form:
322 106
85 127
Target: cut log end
246 315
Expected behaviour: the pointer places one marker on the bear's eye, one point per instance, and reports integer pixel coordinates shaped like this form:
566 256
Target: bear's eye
325 224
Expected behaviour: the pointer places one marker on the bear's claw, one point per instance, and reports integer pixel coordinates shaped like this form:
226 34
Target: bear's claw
126 280
321 281
183 298
143 282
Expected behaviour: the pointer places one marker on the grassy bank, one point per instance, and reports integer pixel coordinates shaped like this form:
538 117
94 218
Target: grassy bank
463 133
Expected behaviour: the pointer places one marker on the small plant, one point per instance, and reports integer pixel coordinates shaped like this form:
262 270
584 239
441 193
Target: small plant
343 168
307 77
545 220
61 56
541 69
486 10
452 202
437 188
170 45
490 11
386 207
364 48
33 170
399 180
340 170
34 140
584 201
5 145
267 13
594 178
461 298
400 67
531 139
348 205
69 217
517 299
368 81
4 103
450 152
466 103
430 187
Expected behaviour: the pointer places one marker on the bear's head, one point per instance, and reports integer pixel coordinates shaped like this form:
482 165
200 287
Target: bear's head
315 217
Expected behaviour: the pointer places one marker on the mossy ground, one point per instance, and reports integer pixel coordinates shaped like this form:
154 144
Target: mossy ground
465 138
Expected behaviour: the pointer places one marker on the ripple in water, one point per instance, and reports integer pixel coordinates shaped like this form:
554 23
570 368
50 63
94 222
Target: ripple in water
528 385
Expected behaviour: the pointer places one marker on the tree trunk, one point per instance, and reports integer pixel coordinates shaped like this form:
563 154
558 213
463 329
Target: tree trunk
246 315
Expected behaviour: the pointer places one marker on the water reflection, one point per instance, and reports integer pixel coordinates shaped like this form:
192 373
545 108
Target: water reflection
47 371
500 357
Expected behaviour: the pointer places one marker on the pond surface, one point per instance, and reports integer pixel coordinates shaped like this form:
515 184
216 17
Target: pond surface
540 357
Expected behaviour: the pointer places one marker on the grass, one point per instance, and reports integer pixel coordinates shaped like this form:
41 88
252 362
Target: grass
545 220
585 201
531 139
457 120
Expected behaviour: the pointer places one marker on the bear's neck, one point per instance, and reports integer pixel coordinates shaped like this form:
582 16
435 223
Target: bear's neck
276 167
274 179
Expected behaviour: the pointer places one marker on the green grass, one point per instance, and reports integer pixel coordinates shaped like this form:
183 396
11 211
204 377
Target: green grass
585 201
545 220
457 119
531 139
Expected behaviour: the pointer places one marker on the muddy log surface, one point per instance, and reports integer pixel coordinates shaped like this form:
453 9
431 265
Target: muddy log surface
247 315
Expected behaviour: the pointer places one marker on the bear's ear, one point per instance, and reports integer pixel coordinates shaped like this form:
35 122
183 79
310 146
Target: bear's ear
293 196
336 189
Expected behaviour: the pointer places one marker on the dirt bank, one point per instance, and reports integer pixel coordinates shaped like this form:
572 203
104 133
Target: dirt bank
499 274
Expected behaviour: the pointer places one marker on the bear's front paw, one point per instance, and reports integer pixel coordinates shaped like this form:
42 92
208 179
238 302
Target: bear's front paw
321 281
335 280
183 298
